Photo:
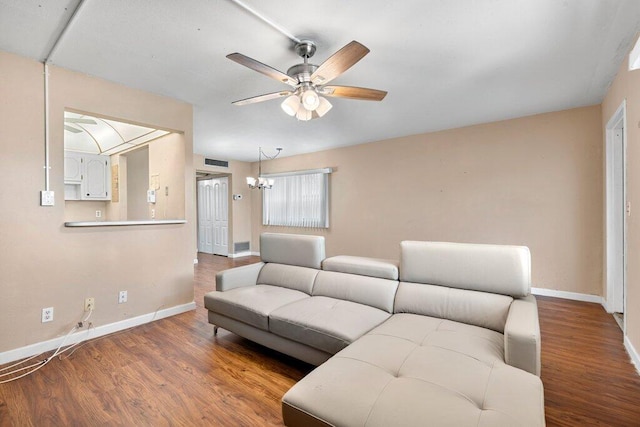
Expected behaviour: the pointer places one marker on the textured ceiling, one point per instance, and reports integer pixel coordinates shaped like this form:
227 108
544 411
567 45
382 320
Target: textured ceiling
445 63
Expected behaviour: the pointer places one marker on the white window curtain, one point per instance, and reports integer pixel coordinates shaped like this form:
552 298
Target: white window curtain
297 199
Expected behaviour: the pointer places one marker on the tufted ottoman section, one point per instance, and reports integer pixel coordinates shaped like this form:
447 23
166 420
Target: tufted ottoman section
415 370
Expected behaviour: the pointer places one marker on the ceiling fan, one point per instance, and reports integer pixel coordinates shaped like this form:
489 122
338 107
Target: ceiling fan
305 101
75 120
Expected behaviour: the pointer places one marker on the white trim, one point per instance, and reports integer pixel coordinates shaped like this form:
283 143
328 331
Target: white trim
52 344
568 295
123 223
634 57
635 357
304 172
239 254
612 273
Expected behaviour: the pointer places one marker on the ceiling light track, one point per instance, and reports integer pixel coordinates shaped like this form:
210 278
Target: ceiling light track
267 21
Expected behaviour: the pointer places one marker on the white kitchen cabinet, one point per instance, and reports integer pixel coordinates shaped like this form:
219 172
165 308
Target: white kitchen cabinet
72 167
87 176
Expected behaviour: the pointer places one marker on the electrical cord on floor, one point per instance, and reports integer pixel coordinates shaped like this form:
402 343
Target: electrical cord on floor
38 365
59 352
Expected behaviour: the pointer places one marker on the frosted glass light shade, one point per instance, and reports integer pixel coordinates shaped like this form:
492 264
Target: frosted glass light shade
323 107
304 114
310 99
291 105
251 181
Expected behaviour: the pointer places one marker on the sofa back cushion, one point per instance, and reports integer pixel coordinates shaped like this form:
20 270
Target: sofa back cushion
292 249
374 267
372 291
482 309
288 276
498 269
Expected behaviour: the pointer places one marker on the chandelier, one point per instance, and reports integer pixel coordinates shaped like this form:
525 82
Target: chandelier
262 183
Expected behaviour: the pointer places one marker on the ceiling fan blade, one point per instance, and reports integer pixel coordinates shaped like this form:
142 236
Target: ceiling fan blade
262 68
353 92
339 62
265 97
72 129
78 120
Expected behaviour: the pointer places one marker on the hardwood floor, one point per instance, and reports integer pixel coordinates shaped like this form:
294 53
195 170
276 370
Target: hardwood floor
587 375
175 372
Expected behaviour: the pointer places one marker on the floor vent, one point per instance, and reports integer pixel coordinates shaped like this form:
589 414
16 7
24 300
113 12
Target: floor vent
240 247
214 162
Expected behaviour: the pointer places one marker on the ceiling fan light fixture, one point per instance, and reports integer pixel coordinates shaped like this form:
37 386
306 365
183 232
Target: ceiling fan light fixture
310 99
304 100
291 105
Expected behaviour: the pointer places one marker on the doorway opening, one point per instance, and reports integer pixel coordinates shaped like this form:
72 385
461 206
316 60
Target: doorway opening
213 215
616 211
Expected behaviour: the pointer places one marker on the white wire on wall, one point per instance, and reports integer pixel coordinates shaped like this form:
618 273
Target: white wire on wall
297 200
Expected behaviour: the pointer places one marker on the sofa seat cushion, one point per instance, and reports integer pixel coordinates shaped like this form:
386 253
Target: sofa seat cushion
327 324
414 371
251 304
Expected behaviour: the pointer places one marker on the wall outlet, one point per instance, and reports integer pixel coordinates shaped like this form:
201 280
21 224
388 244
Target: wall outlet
122 297
47 314
47 198
98 214
89 304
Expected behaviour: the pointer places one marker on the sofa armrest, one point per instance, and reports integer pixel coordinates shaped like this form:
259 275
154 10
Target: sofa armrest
522 335
237 277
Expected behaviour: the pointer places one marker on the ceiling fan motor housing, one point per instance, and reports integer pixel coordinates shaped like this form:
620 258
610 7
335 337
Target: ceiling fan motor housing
302 72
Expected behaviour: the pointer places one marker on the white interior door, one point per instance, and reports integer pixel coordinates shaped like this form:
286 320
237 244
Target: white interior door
220 216
618 221
205 217
616 212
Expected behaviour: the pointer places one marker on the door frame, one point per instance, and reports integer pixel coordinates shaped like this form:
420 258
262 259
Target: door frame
618 120
203 176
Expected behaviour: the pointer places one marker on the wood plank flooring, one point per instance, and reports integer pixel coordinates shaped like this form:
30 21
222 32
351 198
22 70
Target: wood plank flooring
174 372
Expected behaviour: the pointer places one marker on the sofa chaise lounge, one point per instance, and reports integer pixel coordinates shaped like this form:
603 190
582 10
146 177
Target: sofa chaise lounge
448 336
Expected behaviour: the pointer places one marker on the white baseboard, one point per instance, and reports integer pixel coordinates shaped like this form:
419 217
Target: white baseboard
239 254
52 344
568 295
635 357
243 254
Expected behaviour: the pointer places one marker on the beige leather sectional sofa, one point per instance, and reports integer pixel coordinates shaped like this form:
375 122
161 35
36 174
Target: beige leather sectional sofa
447 337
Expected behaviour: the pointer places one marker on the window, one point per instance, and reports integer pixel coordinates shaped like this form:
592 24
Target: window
297 199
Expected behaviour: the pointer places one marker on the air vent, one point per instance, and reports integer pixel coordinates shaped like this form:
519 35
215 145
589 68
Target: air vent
241 247
214 162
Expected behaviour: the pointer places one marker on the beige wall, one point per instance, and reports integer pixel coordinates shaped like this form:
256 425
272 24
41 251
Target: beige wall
137 183
239 210
627 86
45 264
534 181
166 162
